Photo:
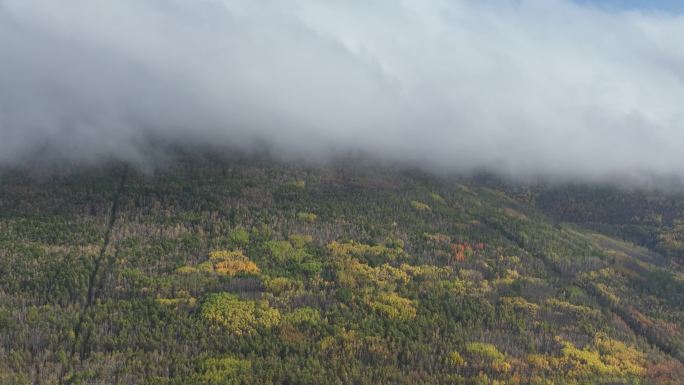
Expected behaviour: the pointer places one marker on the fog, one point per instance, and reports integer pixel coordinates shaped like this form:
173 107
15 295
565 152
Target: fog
516 87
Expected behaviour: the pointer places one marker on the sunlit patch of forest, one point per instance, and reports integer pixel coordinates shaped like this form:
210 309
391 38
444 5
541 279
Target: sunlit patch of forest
232 270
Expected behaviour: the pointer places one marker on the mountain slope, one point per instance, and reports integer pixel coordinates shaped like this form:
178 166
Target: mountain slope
242 270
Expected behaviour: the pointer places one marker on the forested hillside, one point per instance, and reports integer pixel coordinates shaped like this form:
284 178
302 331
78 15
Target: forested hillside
238 270
649 217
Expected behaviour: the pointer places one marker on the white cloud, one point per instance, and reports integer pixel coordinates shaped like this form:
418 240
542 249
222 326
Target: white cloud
521 87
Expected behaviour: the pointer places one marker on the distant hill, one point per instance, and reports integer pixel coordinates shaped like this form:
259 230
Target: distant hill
214 270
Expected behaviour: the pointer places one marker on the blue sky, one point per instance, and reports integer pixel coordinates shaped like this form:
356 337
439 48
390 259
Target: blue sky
647 5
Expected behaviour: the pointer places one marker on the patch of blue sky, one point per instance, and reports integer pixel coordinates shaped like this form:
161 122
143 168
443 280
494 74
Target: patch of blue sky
668 6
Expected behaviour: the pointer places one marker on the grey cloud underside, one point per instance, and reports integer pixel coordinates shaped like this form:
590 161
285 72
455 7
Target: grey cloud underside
518 87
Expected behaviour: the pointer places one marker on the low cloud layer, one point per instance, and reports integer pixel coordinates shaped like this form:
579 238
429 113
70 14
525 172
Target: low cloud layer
521 87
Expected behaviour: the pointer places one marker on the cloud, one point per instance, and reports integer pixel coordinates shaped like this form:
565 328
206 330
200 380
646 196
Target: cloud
520 87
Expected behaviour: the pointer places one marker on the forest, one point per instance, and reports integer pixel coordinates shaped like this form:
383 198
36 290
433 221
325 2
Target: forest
218 269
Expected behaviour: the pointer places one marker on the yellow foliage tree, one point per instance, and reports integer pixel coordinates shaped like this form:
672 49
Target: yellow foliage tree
232 263
306 217
420 206
456 359
487 355
393 306
225 371
239 317
603 357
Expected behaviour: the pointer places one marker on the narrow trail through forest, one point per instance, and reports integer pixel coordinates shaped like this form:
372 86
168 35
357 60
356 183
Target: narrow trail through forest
94 287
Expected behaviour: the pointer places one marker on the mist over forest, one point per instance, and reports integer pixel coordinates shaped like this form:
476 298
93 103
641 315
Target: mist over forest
518 88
